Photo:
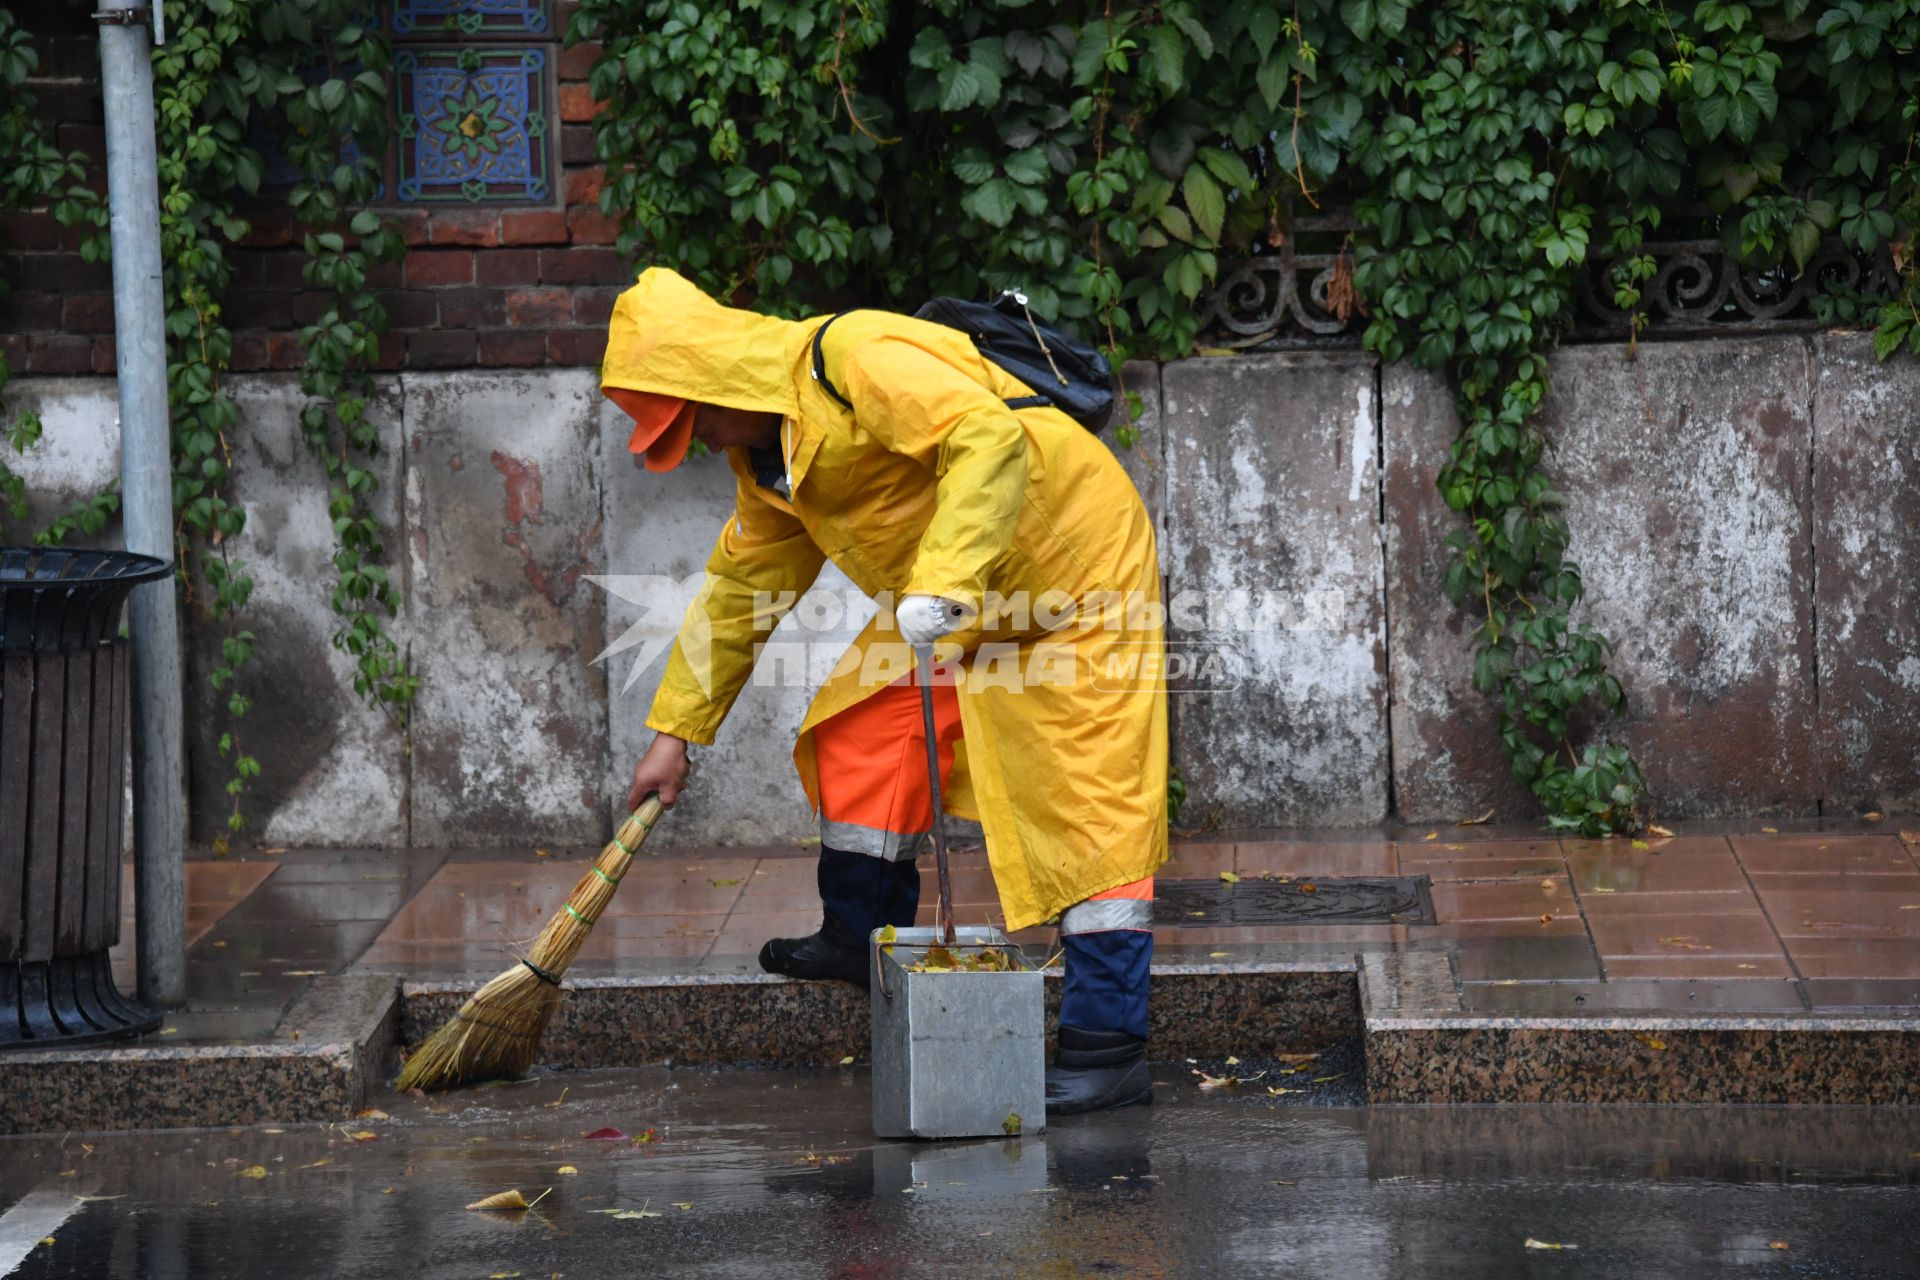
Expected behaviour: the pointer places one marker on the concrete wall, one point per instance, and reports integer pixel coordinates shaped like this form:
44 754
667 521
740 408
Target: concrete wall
1745 514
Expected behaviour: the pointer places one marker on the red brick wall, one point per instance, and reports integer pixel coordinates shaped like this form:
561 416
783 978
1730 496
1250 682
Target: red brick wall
488 286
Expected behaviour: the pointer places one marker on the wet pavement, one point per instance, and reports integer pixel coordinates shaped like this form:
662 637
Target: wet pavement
752 1173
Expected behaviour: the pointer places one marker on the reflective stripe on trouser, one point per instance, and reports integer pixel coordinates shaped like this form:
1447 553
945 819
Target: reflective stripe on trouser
876 807
874 796
1108 940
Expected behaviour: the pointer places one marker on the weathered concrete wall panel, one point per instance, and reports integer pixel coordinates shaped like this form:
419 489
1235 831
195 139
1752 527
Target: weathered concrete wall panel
503 525
1686 474
1447 761
1866 537
78 454
333 769
1273 553
1687 480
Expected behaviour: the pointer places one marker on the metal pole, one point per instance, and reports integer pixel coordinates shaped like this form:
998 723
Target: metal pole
146 500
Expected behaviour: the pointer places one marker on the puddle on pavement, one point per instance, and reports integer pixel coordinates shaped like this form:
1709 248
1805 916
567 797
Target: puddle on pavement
753 1173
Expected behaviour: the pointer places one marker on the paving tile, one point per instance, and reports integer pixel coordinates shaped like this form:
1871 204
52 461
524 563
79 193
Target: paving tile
1741 934
1608 846
746 932
1697 965
1315 858
1457 869
1828 994
1831 957
1599 902
1556 999
1823 854
1449 849
1197 862
1852 911
1504 899
1706 868
1492 959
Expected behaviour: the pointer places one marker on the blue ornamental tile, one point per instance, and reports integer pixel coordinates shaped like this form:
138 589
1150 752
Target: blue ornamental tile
473 125
470 17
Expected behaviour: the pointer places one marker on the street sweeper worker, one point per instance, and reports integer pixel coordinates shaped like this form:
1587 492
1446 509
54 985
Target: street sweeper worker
1013 541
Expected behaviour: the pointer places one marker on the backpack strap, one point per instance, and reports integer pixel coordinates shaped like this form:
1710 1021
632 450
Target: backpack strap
820 364
826 383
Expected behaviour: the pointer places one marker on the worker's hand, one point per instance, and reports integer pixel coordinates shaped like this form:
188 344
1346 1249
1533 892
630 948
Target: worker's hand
663 768
924 619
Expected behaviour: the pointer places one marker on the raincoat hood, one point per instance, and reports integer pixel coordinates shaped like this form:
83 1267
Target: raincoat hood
669 338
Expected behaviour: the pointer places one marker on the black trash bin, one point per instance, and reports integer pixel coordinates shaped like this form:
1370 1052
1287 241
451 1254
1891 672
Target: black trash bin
63 728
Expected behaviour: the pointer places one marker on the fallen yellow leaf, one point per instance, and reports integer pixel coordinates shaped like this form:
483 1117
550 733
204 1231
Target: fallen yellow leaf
364 1135
511 1199
254 1171
1547 1244
321 1163
1229 877
719 884
1431 835
386 1191
683 1204
1641 844
1474 822
543 853
1654 828
1233 1062
1778 1244
1911 837
1652 1042
847 1061
68 1173
1873 815
1221 955
566 1170
371 1113
1772 831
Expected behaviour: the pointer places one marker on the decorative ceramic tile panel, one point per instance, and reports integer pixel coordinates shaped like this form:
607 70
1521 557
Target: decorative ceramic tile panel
470 17
473 124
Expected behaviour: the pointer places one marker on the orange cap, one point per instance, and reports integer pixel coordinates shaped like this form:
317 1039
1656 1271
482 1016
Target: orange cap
662 426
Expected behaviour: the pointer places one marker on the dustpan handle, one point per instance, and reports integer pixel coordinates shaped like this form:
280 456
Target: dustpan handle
925 655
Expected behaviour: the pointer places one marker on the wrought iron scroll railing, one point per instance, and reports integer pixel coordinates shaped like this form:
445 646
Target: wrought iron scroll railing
1699 288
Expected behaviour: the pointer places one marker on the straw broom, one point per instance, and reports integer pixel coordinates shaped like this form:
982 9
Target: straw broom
497 1031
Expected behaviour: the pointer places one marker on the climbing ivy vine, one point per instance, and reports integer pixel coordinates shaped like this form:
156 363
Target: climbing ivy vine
1106 157
306 79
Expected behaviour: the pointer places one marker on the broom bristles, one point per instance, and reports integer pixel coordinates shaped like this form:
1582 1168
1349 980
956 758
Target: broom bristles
497 1031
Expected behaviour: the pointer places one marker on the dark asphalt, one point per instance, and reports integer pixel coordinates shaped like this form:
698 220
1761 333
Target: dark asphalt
773 1174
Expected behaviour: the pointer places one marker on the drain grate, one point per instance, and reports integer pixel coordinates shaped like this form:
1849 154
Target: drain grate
1301 900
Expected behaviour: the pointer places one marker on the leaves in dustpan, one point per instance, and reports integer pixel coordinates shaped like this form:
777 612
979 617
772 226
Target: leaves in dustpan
939 959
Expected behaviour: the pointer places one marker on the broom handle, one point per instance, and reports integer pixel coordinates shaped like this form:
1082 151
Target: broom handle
933 782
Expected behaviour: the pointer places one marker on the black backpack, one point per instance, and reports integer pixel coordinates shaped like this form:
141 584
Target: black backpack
1064 372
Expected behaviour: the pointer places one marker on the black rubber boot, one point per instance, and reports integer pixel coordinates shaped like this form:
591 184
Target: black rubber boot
1097 1071
833 952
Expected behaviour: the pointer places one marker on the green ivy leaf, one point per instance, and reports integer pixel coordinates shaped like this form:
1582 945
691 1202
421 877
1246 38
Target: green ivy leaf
1205 201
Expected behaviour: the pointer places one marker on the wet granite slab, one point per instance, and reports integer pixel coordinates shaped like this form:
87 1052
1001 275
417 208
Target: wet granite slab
331 1045
1199 1010
1422 1045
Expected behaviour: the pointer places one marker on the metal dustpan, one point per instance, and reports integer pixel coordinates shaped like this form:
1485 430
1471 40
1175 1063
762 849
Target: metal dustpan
957 1053
959 1047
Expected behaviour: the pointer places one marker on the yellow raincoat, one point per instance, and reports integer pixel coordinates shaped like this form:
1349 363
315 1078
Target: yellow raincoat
932 485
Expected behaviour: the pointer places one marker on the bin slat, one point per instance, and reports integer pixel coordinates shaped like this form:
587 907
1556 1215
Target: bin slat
16 743
69 929
117 803
43 822
103 859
